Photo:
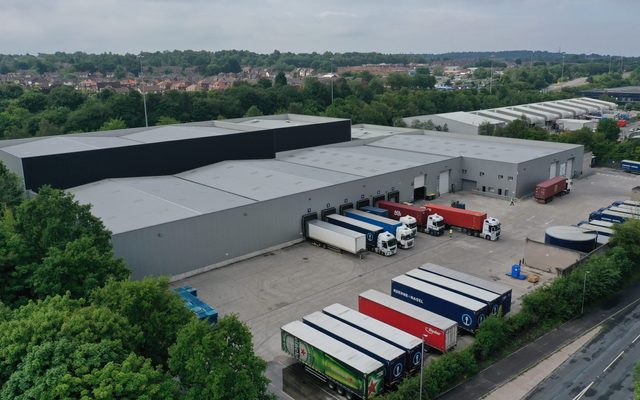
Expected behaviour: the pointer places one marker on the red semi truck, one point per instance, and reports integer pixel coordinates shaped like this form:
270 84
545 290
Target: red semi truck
437 331
472 222
432 224
545 191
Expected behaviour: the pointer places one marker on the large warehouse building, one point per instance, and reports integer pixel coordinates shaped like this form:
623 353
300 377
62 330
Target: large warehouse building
245 203
543 114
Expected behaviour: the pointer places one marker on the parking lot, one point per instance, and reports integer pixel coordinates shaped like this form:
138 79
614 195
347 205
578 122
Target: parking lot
271 290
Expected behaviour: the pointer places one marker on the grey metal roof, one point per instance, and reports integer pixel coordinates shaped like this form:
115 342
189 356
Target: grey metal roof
64 144
402 155
548 116
469 118
127 204
495 115
533 119
346 160
366 131
177 132
514 151
546 107
263 179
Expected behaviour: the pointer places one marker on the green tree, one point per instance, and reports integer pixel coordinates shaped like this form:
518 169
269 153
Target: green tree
281 79
490 337
218 363
150 305
253 111
113 124
609 128
39 234
636 381
11 189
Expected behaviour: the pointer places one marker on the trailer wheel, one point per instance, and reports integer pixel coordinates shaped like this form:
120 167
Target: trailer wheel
340 390
349 396
331 385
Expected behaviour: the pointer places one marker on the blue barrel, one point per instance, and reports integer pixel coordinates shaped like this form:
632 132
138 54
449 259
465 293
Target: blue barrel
570 237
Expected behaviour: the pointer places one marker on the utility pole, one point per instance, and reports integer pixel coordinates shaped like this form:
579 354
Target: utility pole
144 97
609 63
562 69
424 335
331 80
491 76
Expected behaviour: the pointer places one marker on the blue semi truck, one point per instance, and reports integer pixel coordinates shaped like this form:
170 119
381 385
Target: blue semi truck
393 358
403 235
378 240
468 313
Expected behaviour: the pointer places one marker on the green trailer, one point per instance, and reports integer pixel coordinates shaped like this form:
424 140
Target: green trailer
343 368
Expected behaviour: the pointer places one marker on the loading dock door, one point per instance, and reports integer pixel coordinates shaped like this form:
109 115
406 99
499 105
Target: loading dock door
569 168
394 196
563 169
443 184
552 169
362 203
419 188
469 185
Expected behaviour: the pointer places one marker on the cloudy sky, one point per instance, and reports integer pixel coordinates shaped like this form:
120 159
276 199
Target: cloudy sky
400 26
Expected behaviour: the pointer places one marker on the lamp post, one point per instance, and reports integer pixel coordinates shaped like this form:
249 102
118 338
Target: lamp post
144 97
424 336
491 76
331 80
584 290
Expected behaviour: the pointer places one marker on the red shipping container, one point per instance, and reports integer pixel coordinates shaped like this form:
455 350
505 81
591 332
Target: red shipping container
549 188
458 217
397 210
437 331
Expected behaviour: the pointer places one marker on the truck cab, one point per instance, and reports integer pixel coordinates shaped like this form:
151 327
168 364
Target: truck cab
411 223
491 229
405 236
387 245
435 225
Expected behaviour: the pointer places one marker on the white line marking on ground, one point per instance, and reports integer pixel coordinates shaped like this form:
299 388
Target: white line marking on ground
579 396
634 340
614 360
548 222
531 217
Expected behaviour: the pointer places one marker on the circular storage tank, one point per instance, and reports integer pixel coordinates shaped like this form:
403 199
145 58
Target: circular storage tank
570 237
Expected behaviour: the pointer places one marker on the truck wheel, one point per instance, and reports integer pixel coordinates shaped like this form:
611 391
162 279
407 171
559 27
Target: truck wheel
349 396
487 237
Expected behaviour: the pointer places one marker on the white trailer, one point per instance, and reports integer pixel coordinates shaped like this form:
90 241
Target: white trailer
567 124
329 235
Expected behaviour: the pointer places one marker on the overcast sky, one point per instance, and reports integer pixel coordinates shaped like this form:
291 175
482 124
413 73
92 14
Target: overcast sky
400 26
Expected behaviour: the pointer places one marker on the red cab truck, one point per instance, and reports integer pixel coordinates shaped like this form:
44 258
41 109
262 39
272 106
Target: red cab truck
437 331
545 191
472 222
432 224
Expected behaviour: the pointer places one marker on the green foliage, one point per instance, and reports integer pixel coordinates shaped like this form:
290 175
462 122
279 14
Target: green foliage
149 304
50 245
609 128
491 337
218 362
253 111
112 124
636 381
167 121
11 190
281 79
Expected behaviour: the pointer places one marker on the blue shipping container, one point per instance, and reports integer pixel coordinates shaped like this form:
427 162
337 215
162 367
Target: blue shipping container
375 210
202 310
630 166
371 231
468 313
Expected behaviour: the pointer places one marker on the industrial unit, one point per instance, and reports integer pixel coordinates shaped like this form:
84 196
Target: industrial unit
544 114
197 197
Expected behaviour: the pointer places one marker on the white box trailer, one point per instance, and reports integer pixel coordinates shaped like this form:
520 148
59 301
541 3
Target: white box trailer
335 236
567 124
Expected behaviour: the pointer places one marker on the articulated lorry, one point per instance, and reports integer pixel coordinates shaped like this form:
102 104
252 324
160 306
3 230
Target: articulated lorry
328 235
378 240
403 235
472 222
545 191
416 218
343 368
438 332
410 344
393 358
500 289
468 313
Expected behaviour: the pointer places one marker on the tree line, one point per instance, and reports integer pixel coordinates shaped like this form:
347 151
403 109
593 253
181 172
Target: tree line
74 326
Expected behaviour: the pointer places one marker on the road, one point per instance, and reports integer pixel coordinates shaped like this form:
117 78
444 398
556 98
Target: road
601 370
